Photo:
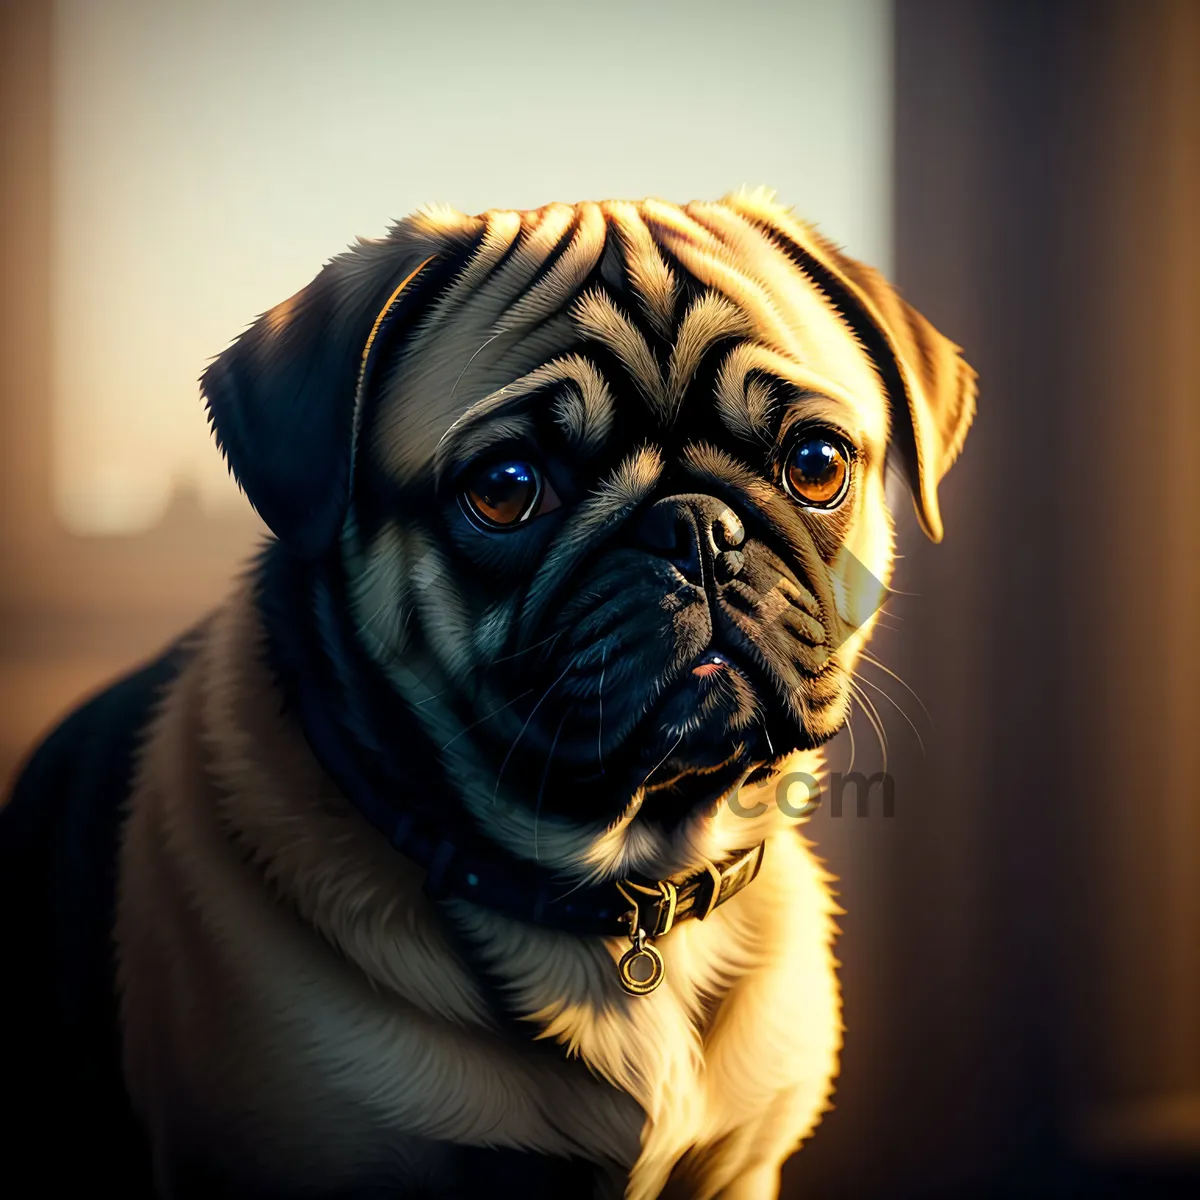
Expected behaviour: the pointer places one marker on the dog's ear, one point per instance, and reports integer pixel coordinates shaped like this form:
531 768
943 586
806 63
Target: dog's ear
930 388
282 399
937 385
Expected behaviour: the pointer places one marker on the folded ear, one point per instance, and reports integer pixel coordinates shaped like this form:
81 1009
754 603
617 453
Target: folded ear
282 399
939 387
930 388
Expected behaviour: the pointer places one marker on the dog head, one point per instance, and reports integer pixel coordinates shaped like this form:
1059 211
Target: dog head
606 483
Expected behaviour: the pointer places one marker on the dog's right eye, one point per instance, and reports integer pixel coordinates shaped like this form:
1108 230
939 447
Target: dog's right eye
505 494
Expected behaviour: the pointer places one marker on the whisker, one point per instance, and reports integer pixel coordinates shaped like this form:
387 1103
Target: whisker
870 684
600 724
470 360
385 604
872 715
885 745
888 671
526 650
663 759
537 812
850 735
521 732
487 716
459 420
766 732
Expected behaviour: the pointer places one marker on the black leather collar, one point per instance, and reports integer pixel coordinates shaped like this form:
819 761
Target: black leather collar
343 706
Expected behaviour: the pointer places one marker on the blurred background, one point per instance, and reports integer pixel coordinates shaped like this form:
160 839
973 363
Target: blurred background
1021 950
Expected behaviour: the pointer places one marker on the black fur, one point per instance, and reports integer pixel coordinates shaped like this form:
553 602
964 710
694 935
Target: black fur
281 399
68 1120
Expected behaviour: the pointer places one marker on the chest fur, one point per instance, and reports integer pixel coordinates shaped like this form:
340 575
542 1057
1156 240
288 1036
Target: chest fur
290 996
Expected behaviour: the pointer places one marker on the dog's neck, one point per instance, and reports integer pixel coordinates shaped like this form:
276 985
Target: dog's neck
368 741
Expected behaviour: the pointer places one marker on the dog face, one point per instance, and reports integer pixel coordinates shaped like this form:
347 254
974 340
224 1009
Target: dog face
607 486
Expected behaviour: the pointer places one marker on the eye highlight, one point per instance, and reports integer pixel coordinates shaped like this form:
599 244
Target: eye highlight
817 470
506 494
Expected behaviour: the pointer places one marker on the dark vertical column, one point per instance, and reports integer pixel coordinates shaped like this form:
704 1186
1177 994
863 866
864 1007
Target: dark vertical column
976 249
949 1086
1132 583
1022 949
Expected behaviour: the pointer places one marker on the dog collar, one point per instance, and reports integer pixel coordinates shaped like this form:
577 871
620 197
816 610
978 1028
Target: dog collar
372 747
655 910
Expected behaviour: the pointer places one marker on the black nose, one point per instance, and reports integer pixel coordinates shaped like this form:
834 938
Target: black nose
691 530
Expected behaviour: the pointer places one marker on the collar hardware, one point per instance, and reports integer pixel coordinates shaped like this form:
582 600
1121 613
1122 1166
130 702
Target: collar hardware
656 908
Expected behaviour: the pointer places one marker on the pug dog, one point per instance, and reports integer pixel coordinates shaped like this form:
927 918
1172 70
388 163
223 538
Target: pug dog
451 855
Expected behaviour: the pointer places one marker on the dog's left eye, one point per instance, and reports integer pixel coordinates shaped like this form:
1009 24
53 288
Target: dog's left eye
505 494
817 471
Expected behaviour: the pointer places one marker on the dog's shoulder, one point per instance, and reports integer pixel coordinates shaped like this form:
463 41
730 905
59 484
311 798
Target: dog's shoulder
58 839
82 769
67 798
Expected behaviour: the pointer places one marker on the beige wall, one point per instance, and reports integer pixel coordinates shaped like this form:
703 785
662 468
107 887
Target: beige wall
209 156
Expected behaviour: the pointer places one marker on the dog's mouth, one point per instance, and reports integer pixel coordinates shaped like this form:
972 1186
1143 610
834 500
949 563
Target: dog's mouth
667 697
708 729
705 731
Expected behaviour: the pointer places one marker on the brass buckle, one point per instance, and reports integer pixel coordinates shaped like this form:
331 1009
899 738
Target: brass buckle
653 910
663 898
737 875
641 968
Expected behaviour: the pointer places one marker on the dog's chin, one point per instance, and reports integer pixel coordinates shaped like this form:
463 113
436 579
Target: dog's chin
716 726
704 728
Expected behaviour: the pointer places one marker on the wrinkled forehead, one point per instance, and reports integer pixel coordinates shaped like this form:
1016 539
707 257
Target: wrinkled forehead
618 304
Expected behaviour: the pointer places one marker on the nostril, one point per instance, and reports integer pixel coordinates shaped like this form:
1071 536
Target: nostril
669 531
695 532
